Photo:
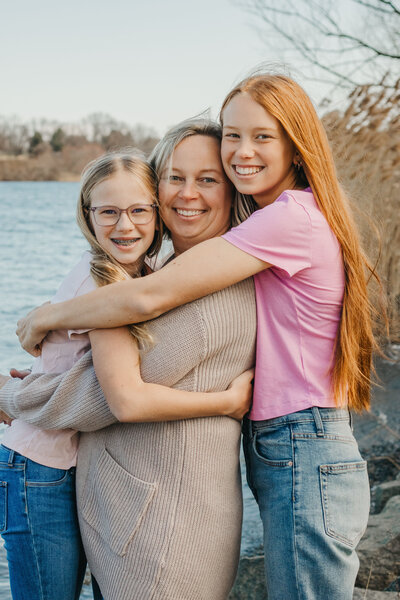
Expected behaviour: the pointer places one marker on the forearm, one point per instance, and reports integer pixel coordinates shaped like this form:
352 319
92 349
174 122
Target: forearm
50 401
202 270
153 402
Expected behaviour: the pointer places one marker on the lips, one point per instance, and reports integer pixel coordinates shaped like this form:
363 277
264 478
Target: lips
124 242
247 170
184 212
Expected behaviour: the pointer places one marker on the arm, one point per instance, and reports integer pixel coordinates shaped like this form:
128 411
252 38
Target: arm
71 400
208 267
116 362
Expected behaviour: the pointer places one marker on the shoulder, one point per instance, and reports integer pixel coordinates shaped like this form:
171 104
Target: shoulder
290 211
225 306
78 281
291 207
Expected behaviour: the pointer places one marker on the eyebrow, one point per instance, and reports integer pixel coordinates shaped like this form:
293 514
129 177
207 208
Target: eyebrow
254 128
207 170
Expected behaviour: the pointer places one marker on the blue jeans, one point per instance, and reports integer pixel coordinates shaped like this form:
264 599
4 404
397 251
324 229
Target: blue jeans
312 489
39 525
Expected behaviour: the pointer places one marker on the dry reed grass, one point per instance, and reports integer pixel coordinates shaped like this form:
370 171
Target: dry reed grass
366 143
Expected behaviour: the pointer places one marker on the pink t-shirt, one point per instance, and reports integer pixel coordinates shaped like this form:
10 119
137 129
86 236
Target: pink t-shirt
60 350
299 302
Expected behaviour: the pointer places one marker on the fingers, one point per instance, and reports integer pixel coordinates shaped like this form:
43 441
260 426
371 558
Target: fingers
26 338
30 333
16 373
250 374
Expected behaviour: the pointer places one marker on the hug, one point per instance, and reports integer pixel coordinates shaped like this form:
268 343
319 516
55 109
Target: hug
151 367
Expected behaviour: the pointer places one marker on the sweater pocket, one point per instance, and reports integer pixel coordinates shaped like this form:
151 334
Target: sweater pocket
115 503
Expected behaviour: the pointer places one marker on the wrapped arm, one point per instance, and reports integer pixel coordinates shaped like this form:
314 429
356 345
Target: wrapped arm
70 400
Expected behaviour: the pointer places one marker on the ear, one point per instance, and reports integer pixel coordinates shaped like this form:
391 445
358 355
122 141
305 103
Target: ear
297 161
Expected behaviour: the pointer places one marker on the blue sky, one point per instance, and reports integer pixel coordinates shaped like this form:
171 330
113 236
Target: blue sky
153 62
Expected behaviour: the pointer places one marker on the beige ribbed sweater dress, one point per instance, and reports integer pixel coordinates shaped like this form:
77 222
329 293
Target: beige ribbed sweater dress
160 504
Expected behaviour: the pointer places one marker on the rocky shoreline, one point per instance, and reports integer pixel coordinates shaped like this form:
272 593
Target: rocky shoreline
378 435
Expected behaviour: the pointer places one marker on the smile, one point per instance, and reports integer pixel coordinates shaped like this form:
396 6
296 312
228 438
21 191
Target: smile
188 213
124 242
247 170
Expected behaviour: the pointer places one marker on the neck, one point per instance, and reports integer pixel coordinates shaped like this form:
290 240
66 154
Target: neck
181 245
265 198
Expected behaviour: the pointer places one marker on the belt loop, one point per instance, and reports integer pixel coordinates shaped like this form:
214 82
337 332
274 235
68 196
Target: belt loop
11 458
318 421
351 420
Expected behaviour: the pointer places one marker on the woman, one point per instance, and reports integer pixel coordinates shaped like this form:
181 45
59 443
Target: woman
143 488
314 341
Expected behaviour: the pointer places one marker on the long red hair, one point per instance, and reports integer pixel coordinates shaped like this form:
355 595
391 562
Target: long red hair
290 105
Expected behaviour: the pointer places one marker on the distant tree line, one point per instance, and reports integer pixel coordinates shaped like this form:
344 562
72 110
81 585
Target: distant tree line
46 149
42 135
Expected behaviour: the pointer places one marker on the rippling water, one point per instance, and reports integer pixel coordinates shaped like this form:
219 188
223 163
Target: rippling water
39 243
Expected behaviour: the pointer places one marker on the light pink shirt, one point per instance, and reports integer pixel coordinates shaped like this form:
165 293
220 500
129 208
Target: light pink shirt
299 302
61 349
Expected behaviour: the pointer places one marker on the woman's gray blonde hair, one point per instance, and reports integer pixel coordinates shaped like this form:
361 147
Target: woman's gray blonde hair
105 268
242 205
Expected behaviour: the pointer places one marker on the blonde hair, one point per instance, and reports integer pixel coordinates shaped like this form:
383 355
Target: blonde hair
242 205
284 99
105 268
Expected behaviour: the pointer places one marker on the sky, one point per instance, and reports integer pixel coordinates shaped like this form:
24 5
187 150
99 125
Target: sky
153 62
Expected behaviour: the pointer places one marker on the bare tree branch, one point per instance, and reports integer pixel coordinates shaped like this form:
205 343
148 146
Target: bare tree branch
367 31
364 45
373 7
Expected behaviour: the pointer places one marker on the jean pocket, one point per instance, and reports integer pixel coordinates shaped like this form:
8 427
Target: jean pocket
272 447
3 506
345 500
115 503
42 476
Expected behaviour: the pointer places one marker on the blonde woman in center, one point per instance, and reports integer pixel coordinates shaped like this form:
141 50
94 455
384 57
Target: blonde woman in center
160 504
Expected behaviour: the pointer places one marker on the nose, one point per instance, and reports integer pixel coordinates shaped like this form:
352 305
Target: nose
188 190
124 223
245 149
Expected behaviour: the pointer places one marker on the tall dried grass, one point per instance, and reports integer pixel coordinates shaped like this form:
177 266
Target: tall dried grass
366 143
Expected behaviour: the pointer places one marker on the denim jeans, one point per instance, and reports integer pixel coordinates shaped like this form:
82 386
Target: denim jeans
312 489
39 525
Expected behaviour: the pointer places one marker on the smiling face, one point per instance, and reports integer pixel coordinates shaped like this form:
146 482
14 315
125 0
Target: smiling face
256 152
124 241
194 194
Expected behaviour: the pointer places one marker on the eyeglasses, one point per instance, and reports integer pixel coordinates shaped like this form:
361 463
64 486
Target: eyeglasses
138 214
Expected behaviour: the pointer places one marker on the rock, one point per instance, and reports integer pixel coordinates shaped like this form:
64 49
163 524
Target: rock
379 549
361 594
380 494
250 582
383 468
394 586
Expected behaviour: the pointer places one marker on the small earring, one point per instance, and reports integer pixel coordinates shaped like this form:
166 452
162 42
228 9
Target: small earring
297 166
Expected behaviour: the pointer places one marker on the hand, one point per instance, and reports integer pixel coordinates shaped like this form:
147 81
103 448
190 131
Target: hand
241 390
16 374
30 332
5 418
